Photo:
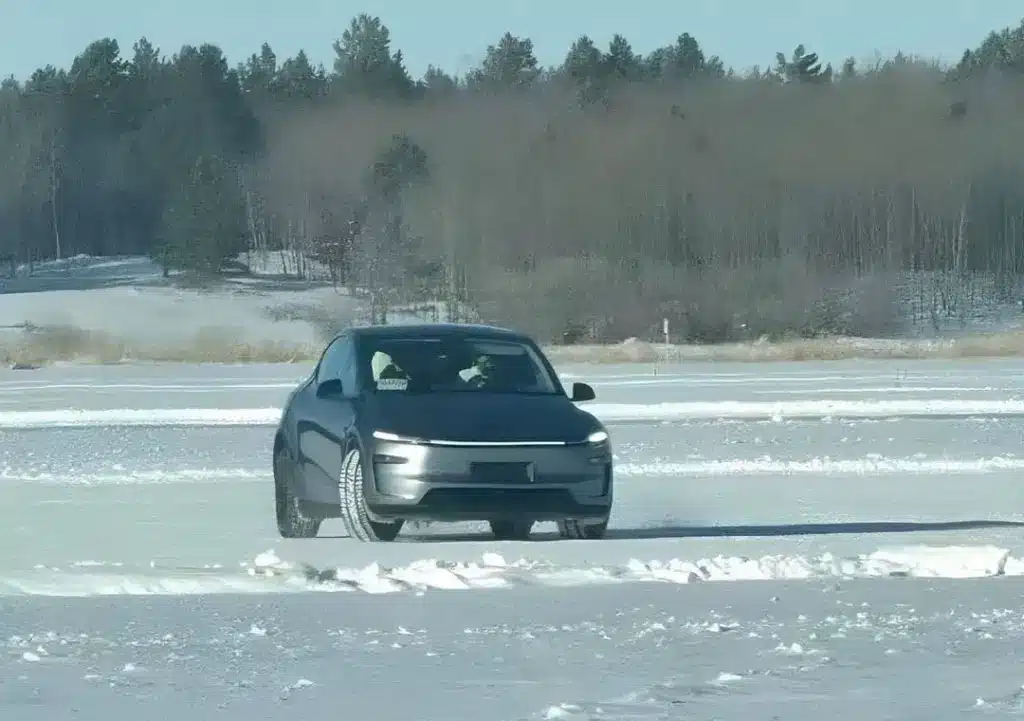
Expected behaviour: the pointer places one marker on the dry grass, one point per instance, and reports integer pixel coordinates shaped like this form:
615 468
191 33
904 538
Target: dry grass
209 345
1009 344
42 347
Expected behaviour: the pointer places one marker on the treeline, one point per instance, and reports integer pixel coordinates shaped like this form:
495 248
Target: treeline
590 199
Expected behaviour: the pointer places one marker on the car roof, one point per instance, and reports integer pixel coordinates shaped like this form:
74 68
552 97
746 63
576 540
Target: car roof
424 330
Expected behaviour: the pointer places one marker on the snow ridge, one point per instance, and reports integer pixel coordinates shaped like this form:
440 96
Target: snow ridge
268 573
607 412
871 465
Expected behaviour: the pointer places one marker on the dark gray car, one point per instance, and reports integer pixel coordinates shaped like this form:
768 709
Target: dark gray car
439 422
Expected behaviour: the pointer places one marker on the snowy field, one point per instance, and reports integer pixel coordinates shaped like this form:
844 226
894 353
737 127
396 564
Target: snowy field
793 541
128 300
109 309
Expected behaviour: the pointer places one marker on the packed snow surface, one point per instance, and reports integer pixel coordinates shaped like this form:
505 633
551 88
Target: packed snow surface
798 541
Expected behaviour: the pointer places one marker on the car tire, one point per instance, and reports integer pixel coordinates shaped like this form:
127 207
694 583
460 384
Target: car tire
291 522
581 530
511 530
353 503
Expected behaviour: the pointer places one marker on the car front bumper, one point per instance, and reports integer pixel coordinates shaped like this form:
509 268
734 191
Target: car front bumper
489 482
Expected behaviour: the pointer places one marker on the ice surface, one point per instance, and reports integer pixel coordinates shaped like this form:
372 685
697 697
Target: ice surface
802 565
914 649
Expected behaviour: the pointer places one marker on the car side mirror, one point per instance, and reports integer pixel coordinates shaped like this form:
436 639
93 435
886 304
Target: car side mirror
330 388
582 392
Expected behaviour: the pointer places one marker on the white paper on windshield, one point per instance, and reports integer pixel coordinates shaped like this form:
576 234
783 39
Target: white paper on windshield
392 384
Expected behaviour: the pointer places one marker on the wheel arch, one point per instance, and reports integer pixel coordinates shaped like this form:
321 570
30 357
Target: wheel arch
354 440
286 435
351 439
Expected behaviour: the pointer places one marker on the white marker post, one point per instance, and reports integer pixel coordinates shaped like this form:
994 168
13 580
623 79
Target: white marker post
664 332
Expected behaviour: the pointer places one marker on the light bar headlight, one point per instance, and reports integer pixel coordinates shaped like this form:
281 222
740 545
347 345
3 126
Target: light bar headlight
395 438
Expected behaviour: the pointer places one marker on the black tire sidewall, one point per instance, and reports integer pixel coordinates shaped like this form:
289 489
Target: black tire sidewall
582 530
512 530
290 523
370 530
282 489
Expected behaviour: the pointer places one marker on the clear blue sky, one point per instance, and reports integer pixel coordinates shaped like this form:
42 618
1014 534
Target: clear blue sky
454 33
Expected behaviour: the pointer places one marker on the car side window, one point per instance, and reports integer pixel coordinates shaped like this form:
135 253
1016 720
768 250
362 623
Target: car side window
349 368
339 362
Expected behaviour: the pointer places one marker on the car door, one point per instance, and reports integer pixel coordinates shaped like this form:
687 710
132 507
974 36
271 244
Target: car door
326 422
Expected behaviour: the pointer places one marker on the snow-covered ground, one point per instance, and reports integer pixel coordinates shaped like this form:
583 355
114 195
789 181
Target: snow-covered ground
908 650
128 300
792 541
110 308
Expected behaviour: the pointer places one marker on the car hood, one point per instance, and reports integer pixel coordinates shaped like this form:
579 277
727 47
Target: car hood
482 417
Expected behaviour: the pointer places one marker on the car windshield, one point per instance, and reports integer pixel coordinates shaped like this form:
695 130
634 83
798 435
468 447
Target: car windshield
453 364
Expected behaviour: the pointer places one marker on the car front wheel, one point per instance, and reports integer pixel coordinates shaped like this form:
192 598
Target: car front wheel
353 503
582 530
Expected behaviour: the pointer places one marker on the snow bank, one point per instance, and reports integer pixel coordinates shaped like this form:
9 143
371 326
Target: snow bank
141 417
804 409
874 465
267 573
817 467
120 476
606 412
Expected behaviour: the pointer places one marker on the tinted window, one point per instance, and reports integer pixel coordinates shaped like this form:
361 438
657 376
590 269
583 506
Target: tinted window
339 362
452 364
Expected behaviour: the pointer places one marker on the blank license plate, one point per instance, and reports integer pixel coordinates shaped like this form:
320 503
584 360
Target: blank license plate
502 472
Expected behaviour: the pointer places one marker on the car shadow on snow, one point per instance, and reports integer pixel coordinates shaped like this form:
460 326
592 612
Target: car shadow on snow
729 531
